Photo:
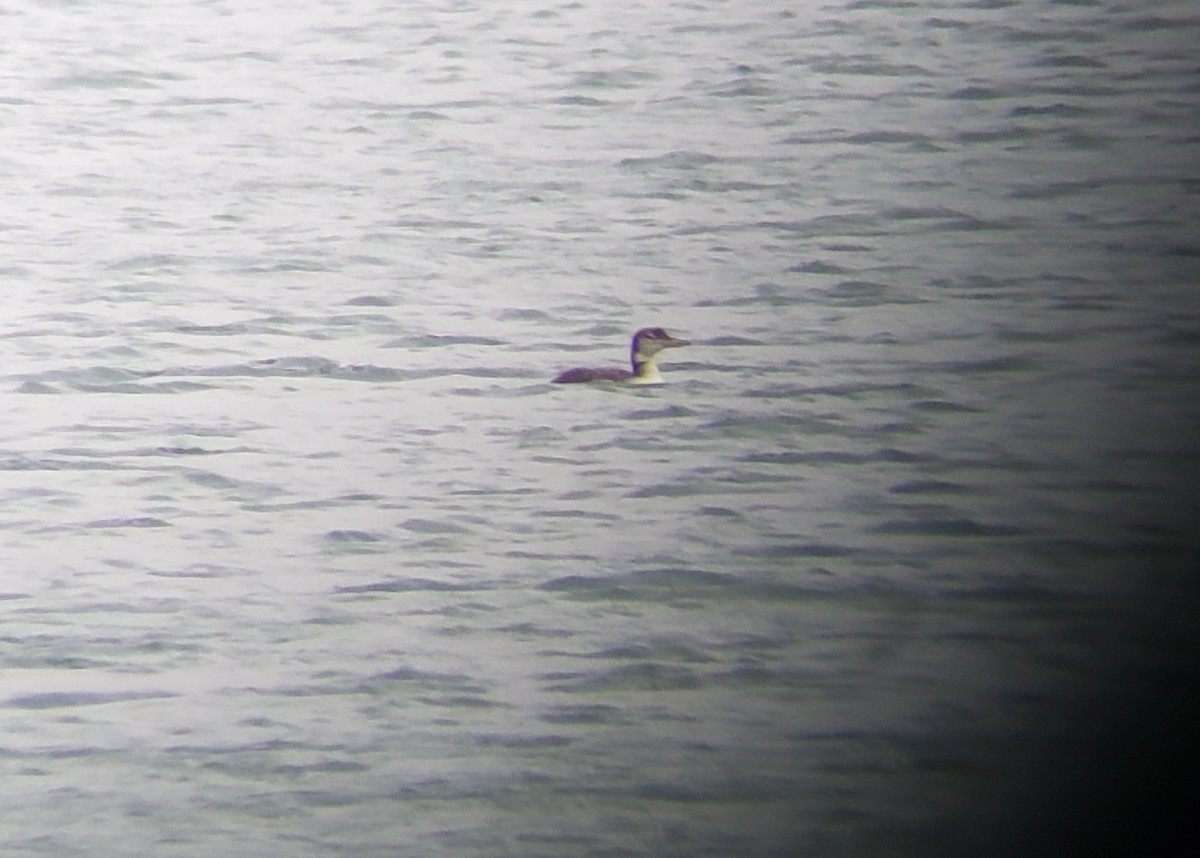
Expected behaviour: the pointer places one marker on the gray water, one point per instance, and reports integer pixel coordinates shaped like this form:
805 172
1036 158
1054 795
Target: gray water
300 554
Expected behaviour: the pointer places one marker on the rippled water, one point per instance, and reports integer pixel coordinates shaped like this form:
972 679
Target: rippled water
301 554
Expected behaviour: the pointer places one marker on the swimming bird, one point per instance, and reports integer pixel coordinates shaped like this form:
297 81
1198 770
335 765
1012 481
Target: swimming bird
643 356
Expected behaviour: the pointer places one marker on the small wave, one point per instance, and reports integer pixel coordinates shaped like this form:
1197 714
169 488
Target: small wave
1069 61
464 701
66 699
426 525
978 93
862 293
306 366
1058 109
524 742
432 341
148 262
800 549
917 142
114 80
650 676
322 767
37 387
612 79
952 527
836 457
408 585
942 406
817 266
675 160
138 521
350 536
926 487
867 67
656 651
411 674
671 411
582 101
988 366
670 585
597 713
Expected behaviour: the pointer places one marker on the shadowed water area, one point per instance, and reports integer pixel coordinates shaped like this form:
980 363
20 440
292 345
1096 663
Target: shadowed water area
302 554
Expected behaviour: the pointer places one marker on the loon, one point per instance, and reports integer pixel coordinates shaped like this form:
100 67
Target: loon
643 355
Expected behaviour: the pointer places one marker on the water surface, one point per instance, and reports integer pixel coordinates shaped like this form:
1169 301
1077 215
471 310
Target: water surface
300 553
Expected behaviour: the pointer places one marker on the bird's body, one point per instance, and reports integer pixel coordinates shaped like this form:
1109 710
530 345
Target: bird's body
643 358
583 373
